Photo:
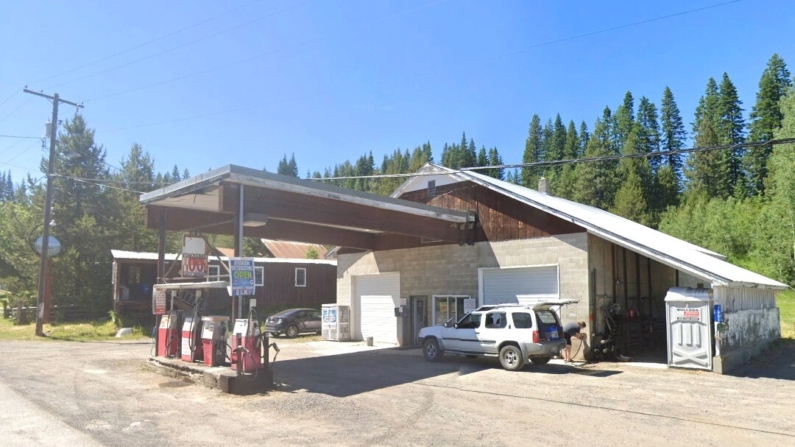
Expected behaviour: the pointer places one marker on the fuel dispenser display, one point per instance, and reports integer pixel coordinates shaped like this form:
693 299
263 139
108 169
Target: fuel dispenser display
246 346
214 334
191 340
168 338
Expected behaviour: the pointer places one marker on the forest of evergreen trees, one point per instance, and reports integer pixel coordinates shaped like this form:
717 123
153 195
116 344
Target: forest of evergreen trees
738 201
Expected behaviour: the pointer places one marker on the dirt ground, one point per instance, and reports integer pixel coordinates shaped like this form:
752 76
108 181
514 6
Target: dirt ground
346 394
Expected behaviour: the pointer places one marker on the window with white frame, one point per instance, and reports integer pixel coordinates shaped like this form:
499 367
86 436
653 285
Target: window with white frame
259 276
300 277
447 307
214 273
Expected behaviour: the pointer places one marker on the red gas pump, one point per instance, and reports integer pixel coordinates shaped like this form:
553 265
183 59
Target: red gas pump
214 339
168 338
246 345
191 344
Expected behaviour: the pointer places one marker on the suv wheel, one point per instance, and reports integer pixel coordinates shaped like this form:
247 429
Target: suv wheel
431 350
511 358
540 360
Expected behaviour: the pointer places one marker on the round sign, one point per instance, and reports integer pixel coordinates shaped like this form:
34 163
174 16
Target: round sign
53 246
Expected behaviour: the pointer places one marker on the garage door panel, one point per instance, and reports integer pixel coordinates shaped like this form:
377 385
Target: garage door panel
376 297
520 285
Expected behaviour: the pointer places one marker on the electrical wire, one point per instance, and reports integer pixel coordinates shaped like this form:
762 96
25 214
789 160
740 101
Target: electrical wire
24 103
773 142
19 136
258 56
194 25
183 45
615 28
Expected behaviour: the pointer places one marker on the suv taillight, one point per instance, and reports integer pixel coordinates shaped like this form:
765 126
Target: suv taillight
535 337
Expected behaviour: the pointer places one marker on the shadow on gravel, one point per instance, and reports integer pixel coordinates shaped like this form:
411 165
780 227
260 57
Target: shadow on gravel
778 362
345 375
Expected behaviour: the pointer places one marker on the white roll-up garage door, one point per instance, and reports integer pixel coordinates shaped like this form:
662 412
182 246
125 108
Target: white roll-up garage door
377 296
526 285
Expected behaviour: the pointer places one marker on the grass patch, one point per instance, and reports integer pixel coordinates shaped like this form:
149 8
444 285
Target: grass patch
87 331
786 304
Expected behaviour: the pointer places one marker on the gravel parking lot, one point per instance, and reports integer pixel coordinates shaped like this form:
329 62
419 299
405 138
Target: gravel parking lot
348 394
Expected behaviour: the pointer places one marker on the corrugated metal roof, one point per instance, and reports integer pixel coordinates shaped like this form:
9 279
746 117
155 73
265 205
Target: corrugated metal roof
654 244
147 256
290 249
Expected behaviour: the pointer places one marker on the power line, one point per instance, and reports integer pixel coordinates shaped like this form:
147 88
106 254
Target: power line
93 182
179 46
24 103
19 136
239 109
194 25
255 57
16 92
573 160
615 28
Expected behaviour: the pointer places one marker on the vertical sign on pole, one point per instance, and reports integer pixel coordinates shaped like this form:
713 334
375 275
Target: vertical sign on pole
194 257
242 272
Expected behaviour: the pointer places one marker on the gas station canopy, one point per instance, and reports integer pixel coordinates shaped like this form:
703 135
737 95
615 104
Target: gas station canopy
278 207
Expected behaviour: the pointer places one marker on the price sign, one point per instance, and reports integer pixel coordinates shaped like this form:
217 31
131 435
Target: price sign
159 301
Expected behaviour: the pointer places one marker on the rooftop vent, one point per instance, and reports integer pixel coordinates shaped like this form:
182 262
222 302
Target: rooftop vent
543 185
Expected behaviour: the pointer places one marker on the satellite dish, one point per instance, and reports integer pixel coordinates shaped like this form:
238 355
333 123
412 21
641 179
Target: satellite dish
53 246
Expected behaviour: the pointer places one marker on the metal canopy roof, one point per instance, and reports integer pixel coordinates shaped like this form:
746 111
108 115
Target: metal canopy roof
287 208
651 243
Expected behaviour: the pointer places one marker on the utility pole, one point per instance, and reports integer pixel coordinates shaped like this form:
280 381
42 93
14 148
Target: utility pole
45 242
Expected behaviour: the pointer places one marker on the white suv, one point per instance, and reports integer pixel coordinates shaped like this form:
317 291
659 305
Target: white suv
515 333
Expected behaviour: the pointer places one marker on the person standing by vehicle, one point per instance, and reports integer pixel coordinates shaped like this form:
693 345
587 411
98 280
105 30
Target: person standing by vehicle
572 330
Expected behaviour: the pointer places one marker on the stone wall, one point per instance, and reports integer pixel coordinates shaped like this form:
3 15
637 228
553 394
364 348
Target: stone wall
453 269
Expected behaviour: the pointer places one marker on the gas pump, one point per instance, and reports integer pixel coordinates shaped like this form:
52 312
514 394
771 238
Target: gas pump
168 338
247 343
214 333
190 340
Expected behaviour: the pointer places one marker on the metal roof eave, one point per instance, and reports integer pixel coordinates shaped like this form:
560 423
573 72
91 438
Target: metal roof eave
187 186
748 285
716 280
250 177
253 177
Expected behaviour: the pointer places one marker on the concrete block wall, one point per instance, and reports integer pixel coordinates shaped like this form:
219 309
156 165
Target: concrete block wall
453 269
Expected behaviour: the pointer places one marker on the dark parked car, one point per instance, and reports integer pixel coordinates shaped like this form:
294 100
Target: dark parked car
292 322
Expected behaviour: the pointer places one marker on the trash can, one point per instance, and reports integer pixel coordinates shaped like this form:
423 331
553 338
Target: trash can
368 341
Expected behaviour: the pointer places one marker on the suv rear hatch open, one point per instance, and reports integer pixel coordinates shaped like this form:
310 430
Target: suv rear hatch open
549 326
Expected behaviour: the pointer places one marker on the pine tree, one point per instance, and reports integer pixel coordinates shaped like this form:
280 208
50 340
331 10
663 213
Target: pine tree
495 159
470 154
631 197
565 185
584 137
766 117
673 132
596 183
731 130
175 175
624 120
532 153
709 172
648 131
483 158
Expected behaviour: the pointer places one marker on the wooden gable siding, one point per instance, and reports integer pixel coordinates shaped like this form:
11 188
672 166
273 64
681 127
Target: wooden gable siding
279 285
499 217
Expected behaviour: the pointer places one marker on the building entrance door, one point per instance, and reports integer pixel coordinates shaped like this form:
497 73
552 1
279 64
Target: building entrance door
420 316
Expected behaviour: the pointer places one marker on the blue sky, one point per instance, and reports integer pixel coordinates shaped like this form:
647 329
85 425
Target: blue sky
330 80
